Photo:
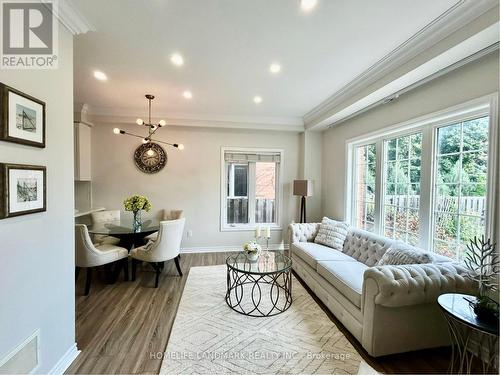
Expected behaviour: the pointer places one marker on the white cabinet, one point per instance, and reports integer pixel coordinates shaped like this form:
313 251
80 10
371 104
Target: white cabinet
83 133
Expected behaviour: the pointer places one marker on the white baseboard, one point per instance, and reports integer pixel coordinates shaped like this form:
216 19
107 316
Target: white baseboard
65 361
222 249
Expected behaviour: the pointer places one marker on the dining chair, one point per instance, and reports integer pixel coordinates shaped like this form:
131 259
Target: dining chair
101 217
165 248
88 256
166 215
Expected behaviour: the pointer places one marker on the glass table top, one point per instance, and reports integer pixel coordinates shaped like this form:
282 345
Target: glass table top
268 262
124 226
459 307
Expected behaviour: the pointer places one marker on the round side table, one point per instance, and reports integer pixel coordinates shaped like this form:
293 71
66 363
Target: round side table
468 334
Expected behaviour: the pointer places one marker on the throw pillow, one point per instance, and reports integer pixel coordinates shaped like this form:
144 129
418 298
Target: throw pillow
402 253
332 233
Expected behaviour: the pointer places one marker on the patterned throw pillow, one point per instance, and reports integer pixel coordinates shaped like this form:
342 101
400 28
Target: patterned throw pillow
402 253
332 233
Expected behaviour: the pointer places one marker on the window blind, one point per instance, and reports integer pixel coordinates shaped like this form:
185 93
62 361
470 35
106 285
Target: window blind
265 157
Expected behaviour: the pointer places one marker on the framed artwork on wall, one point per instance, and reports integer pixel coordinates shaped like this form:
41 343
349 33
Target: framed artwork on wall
22 118
22 189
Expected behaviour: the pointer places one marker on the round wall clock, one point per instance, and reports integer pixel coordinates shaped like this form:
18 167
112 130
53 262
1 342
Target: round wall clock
150 157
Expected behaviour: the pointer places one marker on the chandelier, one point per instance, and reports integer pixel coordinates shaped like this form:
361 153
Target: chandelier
152 129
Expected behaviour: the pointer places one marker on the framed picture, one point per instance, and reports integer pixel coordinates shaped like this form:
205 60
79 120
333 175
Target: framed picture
22 189
22 118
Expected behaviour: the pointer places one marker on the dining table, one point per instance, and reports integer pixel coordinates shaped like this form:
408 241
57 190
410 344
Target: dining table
124 229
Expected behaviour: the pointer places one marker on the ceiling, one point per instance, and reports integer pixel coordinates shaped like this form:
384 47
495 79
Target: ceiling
228 46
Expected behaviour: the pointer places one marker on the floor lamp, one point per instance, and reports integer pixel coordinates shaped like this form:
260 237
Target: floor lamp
303 188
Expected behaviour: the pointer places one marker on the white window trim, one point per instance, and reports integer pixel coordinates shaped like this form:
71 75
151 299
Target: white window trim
279 191
486 105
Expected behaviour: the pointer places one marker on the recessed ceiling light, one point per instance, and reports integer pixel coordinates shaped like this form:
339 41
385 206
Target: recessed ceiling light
177 59
100 75
257 99
187 94
308 5
275 68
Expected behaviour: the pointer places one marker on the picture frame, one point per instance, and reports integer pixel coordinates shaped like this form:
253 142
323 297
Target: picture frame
23 189
22 118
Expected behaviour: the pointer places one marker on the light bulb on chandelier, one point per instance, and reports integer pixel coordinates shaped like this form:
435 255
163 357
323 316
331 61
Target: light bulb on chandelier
139 121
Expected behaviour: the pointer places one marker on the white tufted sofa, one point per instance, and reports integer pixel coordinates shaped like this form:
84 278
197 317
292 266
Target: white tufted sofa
388 309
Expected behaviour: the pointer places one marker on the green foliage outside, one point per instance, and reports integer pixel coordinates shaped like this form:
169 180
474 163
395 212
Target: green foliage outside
461 181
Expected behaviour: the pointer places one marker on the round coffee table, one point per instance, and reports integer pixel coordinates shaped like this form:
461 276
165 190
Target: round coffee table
259 288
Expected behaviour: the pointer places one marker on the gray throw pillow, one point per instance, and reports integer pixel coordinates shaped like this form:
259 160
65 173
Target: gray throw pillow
401 253
332 233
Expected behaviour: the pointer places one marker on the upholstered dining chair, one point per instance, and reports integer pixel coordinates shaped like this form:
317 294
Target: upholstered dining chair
166 215
165 248
101 217
88 256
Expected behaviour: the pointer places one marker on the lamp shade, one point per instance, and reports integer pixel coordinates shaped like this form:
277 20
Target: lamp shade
303 188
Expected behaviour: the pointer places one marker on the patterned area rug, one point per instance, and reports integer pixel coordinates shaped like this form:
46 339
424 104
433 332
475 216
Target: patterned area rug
210 338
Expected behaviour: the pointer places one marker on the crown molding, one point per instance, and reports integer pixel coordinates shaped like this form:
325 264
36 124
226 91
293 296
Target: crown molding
456 17
69 15
129 116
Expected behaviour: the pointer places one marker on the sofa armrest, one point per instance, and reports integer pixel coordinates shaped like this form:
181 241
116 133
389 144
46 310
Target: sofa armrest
405 285
302 232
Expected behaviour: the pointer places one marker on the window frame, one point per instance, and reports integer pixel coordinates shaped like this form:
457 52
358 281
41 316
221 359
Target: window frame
250 226
428 125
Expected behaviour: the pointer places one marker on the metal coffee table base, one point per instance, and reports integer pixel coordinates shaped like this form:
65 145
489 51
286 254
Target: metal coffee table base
246 296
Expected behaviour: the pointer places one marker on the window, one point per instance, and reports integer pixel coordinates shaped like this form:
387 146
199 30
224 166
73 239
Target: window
402 187
460 185
428 183
251 192
365 187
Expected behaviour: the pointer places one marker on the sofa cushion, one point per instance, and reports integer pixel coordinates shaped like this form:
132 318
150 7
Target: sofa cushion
401 253
346 277
366 247
311 253
332 233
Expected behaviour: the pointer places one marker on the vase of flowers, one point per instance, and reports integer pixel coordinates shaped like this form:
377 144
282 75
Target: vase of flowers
482 260
252 250
137 203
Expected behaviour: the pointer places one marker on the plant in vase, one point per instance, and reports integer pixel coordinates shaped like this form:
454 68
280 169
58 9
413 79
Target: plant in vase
137 203
252 250
482 260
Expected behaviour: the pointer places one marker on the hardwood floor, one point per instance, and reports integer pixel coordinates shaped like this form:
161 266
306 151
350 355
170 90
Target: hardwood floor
120 327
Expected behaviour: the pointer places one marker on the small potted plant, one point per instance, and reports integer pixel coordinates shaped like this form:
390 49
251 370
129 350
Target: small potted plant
252 250
137 203
482 260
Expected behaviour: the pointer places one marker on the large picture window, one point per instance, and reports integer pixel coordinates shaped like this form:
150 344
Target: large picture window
251 193
427 184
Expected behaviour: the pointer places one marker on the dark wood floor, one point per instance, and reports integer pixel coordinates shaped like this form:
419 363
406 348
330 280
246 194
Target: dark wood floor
119 327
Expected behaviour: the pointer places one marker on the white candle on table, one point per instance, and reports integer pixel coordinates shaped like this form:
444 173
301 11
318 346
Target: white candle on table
257 232
268 232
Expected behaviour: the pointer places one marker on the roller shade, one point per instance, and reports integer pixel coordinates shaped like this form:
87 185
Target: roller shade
239 157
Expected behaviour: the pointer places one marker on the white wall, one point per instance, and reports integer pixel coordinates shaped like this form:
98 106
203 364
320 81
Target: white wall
191 178
469 82
37 271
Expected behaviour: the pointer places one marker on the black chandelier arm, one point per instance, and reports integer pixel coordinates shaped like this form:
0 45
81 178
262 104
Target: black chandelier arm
176 145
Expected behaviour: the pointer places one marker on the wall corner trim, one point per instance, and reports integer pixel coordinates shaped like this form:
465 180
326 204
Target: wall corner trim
69 15
65 361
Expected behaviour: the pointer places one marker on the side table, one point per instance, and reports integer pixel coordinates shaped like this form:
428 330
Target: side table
468 332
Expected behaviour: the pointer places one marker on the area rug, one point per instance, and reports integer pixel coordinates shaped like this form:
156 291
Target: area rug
210 338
